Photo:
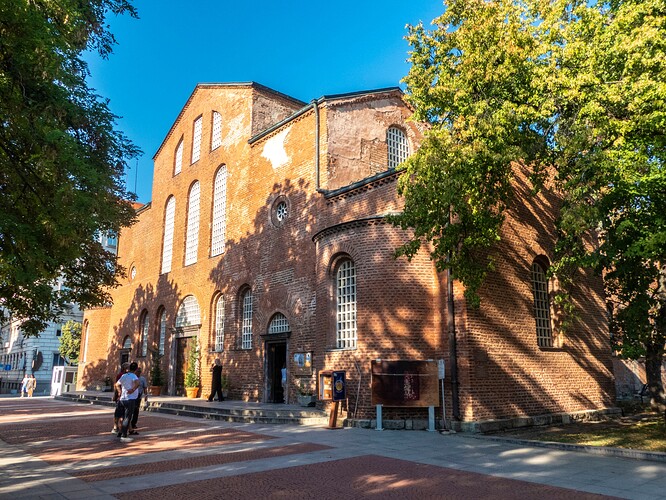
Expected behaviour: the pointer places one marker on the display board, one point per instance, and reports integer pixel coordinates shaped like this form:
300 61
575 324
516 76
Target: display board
404 383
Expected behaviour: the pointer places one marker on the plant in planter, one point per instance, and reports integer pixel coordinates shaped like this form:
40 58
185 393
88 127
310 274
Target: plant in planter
225 386
108 385
156 376
306 395
192 377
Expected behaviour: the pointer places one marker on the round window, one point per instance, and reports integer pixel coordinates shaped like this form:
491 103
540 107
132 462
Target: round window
280 211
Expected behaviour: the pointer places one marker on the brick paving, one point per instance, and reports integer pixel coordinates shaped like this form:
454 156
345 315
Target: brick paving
360 477
107 473
50 449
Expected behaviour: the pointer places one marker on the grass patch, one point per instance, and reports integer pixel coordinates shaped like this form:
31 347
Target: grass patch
637 432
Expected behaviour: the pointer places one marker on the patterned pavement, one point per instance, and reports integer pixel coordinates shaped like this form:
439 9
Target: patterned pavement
53 449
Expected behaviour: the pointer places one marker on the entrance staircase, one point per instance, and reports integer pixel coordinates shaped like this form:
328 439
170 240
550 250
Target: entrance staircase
228 410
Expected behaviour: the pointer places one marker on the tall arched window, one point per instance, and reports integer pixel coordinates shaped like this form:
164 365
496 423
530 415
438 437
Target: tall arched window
162 339
192 238
196 140
219 324
178 160
188 313
397 146
85 344
246 327
544 332
219 212
167 245
346 304
216 134
144 334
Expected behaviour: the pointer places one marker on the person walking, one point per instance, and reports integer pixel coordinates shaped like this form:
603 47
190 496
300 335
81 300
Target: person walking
128 386
32 385
24 385
142 393
119 411
216 385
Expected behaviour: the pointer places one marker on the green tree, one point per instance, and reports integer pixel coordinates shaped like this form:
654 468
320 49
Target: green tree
61 161
70 341
575 91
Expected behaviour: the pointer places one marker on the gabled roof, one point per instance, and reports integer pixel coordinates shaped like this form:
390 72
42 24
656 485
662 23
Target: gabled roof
254 85
324 99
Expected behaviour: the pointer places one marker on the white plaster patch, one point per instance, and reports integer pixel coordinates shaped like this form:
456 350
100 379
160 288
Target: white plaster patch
234 130
274 150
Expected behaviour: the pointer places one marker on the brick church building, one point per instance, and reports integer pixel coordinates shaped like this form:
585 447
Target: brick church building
267 243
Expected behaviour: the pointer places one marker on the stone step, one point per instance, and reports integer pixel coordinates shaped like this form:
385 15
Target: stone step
229 411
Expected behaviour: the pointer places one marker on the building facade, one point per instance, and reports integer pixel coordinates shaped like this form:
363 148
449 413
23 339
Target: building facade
266 242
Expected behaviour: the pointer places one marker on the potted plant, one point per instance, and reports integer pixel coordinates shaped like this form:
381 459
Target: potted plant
156 377
107 385
225 386
192 378
306 396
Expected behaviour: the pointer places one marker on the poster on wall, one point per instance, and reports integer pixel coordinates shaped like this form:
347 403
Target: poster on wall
404 383
302 363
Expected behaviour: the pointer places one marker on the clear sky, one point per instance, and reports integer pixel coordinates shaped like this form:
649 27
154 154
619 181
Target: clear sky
305 49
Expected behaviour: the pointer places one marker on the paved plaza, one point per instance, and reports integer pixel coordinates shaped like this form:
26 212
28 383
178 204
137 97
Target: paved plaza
56 449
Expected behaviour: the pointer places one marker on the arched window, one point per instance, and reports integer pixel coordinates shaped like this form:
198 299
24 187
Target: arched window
346 304
246 327
144 334
162 339
188 313
544 332
178 160
127 343
192 238
219 324
196 140
278 324
86 331
397 146
216 134
167 245
219 212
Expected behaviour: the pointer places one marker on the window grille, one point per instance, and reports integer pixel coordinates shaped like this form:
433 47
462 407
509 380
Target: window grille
279 324
346 305
188 312
179 158
397 145
162 333
247 320
216 136
192 239
196 140
167 246
541 306
219 324
144 335
219 212
127 343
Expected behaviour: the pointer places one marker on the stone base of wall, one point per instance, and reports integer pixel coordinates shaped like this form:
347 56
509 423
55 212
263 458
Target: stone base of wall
485 426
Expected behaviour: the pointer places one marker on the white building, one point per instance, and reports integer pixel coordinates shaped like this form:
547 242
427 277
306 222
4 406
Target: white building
21 355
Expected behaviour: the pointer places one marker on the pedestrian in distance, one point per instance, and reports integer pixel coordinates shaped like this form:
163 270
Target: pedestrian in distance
216 385
24 385
143 394
32 385
128 386
118 413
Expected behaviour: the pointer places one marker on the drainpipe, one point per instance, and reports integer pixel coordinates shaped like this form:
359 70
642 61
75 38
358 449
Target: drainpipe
316 111
453 356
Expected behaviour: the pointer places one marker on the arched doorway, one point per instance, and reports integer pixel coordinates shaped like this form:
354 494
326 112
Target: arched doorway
188 322
275 339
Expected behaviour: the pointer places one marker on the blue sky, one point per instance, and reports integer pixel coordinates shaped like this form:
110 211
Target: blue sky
305 49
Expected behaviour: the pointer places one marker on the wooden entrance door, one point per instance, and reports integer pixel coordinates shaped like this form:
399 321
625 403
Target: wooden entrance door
183 346
276 358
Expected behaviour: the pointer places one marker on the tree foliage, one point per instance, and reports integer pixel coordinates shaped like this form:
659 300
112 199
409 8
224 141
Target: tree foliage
70 341
61 160
575 91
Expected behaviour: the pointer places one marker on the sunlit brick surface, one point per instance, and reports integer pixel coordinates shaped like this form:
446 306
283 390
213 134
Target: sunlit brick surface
360 477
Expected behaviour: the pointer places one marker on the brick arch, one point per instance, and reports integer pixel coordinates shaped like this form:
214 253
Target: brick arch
333 252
